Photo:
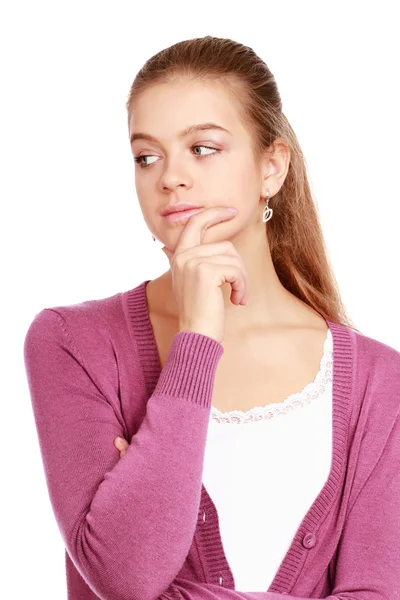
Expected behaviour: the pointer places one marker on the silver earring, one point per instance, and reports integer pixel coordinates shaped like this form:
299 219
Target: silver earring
267 212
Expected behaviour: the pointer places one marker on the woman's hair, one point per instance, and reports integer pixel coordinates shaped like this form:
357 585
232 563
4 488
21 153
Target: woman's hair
294 233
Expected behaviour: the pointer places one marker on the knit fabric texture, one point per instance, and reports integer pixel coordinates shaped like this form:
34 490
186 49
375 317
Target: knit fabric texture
144 527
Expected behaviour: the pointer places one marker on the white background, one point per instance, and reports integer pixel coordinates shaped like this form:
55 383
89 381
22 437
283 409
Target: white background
71 225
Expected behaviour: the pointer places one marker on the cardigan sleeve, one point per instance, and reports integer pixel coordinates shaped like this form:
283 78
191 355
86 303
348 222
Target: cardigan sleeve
368 557
368 553
127 523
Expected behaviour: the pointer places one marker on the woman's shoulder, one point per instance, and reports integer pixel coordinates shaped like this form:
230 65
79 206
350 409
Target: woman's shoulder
374 353
92 328
375 386
88 319
94 317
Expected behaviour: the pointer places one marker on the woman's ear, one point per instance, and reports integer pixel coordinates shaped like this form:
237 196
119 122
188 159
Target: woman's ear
276 166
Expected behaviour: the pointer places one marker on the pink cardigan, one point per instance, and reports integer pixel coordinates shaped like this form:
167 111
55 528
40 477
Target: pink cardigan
143 527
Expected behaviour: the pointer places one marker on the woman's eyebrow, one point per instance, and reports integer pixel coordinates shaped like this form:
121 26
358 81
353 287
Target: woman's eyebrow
185 132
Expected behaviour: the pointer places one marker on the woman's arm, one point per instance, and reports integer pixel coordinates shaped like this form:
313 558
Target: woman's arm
127 524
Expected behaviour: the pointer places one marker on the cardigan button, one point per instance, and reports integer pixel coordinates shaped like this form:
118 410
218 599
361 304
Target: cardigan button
309 540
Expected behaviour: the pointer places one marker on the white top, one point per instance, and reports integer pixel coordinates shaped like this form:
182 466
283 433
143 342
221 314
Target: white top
254 460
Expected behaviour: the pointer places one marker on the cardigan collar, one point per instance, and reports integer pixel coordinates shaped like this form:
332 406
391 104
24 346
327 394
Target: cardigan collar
210 543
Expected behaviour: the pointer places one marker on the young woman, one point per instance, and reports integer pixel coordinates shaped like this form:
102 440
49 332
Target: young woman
258 430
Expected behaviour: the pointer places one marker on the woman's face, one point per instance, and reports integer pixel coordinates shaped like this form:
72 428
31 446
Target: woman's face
208 168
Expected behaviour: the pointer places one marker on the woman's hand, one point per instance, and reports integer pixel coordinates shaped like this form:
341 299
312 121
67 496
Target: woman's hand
199 270
122 445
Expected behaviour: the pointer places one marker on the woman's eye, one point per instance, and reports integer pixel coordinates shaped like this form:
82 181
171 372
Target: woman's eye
206 147
138 159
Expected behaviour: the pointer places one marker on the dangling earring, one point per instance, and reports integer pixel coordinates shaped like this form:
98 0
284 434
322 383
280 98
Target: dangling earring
267 212
154 239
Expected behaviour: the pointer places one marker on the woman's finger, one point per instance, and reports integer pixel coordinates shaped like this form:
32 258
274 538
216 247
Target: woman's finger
120 443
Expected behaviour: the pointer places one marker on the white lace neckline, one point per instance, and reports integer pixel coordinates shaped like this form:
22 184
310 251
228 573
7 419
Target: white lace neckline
310 392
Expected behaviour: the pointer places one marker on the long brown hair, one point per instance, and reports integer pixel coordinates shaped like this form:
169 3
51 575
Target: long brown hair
294 233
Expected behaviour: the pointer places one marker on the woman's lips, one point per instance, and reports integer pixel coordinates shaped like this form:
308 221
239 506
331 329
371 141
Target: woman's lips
182 214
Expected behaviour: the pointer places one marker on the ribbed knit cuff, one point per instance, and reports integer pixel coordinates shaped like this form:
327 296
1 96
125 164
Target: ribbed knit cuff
189 370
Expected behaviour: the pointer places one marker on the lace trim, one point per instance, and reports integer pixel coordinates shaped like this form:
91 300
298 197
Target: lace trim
308 393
